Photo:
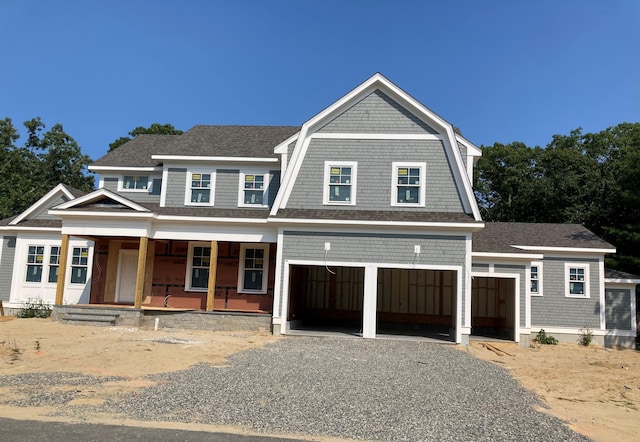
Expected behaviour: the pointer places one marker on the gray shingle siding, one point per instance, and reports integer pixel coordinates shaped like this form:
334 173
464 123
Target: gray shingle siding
176 182
374 170
480 267
618 308
7 257
43 213
463 152
274 186
375 248
521 270
377 113
227 187
553 309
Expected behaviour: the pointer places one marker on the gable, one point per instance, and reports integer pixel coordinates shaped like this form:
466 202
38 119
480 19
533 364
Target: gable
377 113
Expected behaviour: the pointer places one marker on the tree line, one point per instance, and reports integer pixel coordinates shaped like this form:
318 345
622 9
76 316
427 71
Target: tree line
591 179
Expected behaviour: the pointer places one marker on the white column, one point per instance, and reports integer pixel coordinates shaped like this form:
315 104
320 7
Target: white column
370 302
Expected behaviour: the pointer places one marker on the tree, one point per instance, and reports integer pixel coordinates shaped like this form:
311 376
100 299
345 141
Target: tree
46 159
155 128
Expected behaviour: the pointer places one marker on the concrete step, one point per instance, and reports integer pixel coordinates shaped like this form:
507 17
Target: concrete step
90 318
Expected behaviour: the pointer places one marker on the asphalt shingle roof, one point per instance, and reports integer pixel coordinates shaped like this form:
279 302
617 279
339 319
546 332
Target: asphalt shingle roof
374 215
617 274
500 237
219 141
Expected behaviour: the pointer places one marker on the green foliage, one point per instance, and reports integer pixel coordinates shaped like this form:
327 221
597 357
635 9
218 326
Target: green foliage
46 159
586 336
34 308
543 338
155 128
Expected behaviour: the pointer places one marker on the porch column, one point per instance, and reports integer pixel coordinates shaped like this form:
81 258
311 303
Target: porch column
62 269
140 274
213 267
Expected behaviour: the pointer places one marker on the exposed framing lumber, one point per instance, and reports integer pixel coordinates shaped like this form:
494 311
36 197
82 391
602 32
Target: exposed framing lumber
62 269
140 273
213 267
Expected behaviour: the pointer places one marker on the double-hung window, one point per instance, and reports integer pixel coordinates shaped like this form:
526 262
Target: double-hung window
200 188
253 189
198 266
54 263
253 268
135 182
340 182
535 279
79 264
577 280
35 262
408 184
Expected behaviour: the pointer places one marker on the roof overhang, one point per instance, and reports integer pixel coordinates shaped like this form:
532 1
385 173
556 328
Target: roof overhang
467 227
125 169
57 191
501 256
566 249
193 158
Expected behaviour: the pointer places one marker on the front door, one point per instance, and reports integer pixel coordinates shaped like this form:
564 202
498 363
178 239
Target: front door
127 270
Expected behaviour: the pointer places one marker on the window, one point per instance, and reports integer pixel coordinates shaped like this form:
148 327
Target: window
340 183
253 268
198 266
253 189
79 263
35 260
199 185
408 184
577 280
535 279
54 262
135 182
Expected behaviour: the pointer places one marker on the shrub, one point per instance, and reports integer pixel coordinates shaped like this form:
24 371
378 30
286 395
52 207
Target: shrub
543 338
34 308
586 336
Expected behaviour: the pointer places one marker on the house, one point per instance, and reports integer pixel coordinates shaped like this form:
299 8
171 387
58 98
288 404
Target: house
361 220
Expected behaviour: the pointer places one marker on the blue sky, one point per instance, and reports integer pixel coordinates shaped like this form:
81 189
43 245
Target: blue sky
502 71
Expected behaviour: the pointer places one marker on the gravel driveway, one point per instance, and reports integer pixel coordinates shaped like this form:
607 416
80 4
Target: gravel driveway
352 388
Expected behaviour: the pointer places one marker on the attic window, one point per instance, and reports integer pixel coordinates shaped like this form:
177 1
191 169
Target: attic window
135 182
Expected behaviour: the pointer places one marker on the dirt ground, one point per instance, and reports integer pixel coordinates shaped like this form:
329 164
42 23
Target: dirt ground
595 390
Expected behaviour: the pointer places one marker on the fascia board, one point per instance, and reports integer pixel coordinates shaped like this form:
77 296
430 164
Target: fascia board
211 219
472 149
98 194
282 147
19 229
89 215
125 168
565 249
621 281
60 188
453 226
525 256
216 159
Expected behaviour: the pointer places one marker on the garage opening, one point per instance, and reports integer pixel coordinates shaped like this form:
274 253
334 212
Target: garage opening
327 299
417 302
493 307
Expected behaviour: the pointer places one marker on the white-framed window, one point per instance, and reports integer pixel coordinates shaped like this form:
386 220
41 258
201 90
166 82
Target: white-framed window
253 268
407 188
577 280
35 263
254 188
340 182
200 188
79 264
198 264
135 183
535 278
54 263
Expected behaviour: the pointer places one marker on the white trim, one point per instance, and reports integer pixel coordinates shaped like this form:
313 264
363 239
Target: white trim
326 185
422 166
265 189
163 191
211 219
509 256
188 189
60 189
200 159
277 286
450 226
95 195
125 168
539 265
290 174
375 136
574 331
564 249
11 228
149 188
370 302
603 313
283 147
472 149
86 214
467 293
621 281
516 277
587 276
242 269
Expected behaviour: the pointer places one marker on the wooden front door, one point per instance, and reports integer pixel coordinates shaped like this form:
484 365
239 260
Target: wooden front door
127 270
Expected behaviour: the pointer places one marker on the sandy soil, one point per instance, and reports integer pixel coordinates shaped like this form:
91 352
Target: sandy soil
595 390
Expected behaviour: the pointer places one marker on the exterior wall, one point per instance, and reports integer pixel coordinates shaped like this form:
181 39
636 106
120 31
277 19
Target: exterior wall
377 113
21 290
152 196
169 273
387 250
274 186
463 151
42 213
553 309
226 188
374 174
618 308
7 256
176 182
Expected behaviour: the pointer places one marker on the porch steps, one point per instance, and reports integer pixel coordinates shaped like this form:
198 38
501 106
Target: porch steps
91 318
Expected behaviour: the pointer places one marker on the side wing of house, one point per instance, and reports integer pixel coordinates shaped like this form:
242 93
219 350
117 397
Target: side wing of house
374 217
30 254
